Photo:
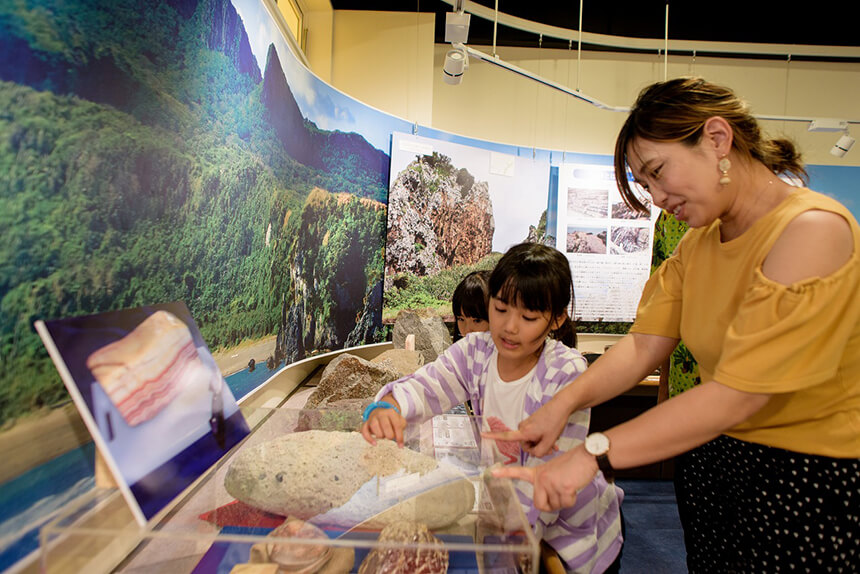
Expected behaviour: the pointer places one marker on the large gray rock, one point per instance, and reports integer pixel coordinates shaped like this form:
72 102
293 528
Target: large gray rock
432 337
338 478
350 377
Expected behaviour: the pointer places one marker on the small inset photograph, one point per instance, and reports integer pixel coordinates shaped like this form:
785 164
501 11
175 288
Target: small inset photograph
151 395
621 210
626 240
581 239
586 202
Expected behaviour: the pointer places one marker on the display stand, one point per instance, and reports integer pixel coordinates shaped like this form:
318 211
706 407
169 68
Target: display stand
206 530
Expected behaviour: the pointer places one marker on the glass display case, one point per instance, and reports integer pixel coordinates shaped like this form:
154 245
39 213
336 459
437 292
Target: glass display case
304 492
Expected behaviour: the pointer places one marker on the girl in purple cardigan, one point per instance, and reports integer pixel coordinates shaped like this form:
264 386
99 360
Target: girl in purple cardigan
507 374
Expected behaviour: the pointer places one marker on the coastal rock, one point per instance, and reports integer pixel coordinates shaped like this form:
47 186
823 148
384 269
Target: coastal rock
350 377
432 337
406 560
337 478
438 217
586 242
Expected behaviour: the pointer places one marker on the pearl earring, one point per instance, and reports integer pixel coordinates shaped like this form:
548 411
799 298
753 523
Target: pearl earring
724 166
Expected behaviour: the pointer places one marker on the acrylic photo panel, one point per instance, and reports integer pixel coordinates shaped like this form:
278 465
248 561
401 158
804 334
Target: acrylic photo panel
150 394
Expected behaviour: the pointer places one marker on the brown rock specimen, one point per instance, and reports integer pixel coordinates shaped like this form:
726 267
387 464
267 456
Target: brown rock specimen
342 415
430 560
403 361
350 377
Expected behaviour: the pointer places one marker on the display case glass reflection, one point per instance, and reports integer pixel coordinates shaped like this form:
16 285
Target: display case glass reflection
305 493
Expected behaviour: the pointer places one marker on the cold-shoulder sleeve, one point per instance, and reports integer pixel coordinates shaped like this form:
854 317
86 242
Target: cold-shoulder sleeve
659 311
786 338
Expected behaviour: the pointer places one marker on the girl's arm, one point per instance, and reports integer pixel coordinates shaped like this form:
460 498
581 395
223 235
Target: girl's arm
620 368
384 423
688 420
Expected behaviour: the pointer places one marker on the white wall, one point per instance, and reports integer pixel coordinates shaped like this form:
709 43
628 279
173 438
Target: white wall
497 105
385 59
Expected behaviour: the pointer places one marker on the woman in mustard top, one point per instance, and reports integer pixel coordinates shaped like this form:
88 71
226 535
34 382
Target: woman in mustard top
764 292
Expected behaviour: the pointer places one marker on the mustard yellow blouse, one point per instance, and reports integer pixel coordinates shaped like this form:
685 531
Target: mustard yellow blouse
800 342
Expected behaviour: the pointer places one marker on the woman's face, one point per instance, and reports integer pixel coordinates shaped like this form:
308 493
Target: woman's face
680 179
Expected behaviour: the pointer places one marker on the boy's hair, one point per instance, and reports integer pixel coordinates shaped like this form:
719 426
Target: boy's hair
537 277
472 296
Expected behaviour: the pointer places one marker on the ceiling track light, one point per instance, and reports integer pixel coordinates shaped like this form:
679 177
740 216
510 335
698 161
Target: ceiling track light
456 63
845 141
842 145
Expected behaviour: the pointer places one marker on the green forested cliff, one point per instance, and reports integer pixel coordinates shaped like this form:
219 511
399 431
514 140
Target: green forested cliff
139 164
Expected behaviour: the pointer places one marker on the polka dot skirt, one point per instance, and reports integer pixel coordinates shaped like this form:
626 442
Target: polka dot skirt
746 507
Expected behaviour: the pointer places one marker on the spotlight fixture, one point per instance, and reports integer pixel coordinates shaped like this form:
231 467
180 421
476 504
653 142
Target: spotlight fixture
456 62
842 145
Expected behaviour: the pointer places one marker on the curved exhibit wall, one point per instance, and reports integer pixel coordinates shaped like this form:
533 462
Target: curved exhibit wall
162 151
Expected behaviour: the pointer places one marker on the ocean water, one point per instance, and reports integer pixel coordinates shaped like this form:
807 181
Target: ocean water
29 501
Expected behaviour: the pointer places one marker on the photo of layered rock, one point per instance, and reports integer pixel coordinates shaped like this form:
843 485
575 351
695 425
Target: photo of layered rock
621 210
629 240
586 240
586 202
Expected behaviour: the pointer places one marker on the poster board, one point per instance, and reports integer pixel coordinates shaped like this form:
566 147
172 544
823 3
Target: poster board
608 245
151 395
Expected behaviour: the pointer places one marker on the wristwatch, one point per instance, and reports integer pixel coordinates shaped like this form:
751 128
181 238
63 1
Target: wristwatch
597 444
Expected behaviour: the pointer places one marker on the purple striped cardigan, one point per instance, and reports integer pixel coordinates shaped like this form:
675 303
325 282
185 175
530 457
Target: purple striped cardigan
587 536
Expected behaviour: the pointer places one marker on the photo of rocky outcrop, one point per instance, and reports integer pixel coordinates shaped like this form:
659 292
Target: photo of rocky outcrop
621 210
629 240
584 202
439 216
586 240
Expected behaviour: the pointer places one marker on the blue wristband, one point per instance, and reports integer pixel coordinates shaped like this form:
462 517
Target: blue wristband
377 405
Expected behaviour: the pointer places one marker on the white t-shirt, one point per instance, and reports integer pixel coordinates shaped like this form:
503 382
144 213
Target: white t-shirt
504 408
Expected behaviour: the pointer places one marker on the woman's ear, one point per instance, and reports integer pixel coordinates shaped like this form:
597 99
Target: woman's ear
718 134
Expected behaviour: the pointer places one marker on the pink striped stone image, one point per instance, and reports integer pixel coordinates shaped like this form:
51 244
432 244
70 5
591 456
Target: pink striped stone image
145 370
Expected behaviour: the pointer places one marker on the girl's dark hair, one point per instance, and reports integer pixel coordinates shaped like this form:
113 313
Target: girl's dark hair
538 278
676 111
472 296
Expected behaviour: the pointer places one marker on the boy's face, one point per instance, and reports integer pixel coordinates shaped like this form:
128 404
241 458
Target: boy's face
466 325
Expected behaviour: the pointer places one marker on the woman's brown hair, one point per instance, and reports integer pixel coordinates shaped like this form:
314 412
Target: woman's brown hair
676 111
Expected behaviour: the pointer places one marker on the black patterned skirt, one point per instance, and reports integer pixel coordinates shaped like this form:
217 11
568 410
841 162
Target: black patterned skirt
747 507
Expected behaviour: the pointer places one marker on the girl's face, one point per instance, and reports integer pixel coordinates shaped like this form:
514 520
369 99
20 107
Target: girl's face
519 335
466 325
680 179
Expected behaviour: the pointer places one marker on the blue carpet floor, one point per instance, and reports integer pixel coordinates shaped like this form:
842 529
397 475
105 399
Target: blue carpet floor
655 541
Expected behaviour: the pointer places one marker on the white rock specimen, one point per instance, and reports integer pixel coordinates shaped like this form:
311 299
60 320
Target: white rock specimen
337 478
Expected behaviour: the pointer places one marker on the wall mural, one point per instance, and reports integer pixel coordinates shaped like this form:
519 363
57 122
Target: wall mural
150 155
175 150
150 152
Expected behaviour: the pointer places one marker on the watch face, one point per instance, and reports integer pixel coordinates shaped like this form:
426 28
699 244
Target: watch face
597 443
